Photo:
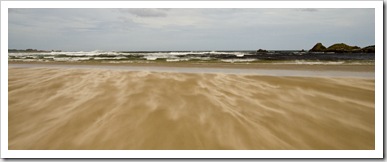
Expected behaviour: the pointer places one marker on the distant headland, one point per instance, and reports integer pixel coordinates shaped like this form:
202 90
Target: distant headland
32 50
335 48
342 48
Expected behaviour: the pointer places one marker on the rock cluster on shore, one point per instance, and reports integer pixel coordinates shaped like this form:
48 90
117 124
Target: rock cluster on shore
31 51
262 51
318 48
342 48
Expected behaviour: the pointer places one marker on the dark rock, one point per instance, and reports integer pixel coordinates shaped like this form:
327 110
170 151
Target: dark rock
342 48
368 49
30 50
262 51
318 48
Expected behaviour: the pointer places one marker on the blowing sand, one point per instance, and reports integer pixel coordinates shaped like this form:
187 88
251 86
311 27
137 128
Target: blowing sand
51 108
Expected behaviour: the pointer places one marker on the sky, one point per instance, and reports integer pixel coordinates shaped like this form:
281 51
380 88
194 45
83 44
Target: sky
178 29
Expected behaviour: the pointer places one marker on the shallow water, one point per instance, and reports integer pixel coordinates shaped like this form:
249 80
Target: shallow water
72 108
212 70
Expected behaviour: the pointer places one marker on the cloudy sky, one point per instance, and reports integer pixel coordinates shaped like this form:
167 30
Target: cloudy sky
187 29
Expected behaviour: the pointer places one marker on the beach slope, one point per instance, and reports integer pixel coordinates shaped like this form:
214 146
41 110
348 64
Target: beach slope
58 108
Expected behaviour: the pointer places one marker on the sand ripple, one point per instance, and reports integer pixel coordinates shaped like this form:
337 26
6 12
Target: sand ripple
111 109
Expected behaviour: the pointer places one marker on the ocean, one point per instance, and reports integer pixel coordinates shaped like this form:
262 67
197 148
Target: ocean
283 56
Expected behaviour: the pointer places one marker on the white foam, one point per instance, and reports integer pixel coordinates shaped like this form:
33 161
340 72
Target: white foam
237 60
151 58
319 62
177 59
107 58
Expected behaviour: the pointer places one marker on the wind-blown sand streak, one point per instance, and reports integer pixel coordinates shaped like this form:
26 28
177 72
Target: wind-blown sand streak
111 109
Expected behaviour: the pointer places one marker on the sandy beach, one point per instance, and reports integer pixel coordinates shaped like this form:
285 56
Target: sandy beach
110 109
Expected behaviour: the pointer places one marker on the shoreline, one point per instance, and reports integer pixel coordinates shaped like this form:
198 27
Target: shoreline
362 71
314 67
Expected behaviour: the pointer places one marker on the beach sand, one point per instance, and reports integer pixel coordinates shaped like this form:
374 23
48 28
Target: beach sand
58 108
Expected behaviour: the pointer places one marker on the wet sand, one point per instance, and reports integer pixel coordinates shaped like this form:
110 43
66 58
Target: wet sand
269 66
354 71
105 109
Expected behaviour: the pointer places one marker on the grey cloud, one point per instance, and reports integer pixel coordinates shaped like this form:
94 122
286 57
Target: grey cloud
148 12
13 10
308 9
188 29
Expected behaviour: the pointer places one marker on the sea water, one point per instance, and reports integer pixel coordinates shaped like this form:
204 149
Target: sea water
291 57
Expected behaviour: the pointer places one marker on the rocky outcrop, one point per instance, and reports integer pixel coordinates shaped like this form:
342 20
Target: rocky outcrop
342 48
318 48
262 51
368 49
30 51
